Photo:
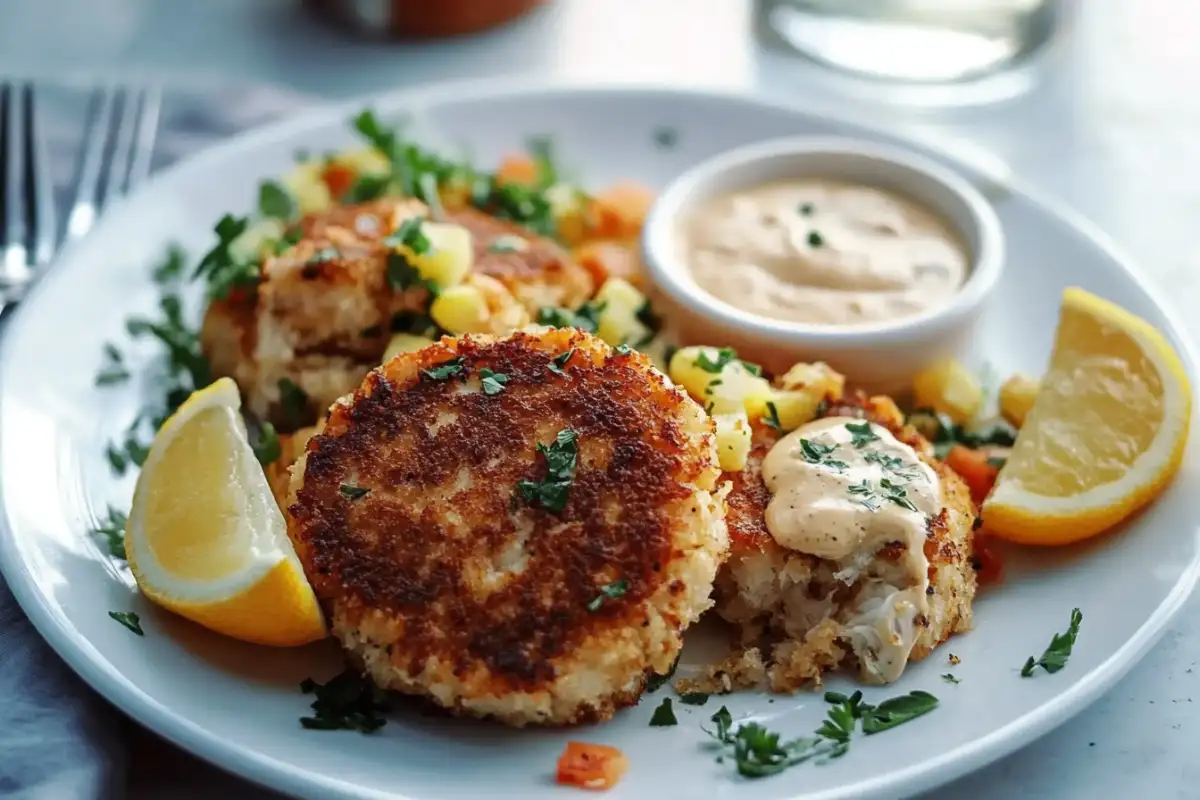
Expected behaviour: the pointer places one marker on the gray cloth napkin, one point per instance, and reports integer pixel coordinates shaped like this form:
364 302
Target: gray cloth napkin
58 739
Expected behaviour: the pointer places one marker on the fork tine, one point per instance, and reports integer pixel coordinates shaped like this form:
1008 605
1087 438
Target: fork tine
147 131
45 225
83 212
116 178
16 264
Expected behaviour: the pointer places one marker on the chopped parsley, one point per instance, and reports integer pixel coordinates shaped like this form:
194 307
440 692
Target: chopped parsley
894 493
293 402
944 433
410 235
818 453
351 492
865 495
806 209
277 202
129 451
366 187
949 678
129 619
771 420
508 243
348 701
654 681
559 361
815 239
652 321
288 240
1056 655
610 591
220 270
111 531
892 464
666 137
623 349
897 711
267 448
493 382
725 356
542 150
551 492
113 371
445 370
862 434
402 274
759 752
172 267
585 318
664 715
693 698
525 205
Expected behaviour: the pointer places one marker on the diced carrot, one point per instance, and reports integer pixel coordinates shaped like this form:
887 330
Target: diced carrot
619 211
338 178
985 557
591 766
518 168
973 467
606 259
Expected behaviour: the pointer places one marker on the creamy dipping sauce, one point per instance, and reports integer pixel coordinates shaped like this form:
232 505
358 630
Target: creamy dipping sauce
841 489
823 252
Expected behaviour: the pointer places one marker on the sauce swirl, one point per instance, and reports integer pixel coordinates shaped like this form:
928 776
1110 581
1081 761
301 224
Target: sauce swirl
823 252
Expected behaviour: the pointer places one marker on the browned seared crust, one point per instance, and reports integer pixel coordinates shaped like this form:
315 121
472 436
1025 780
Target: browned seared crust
458 579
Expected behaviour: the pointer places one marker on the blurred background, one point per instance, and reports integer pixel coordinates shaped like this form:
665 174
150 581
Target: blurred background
1088 102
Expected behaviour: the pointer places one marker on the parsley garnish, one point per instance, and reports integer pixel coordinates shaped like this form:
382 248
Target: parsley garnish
401 273
113 371
112 531
865 494
218 266
863 434
759 752
129 451
945 433
445 370
410 235
559 361
542 150
815 239
276 201
893 464
1056 655
949 678
894 493
725 356
897 711
652 321
293 402
771 420
693 698
130 620
818 453
353 492
171 268
552 491
348 701
806 209
666 137
610 591
664 715
366 187
623 349
586 318
493 382
654 681
508 243
267 449
526 205
288 240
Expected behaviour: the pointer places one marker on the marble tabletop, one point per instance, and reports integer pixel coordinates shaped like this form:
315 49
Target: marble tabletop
1112 128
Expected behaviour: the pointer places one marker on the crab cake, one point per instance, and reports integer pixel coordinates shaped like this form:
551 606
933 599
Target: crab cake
889 600
520 528
319 318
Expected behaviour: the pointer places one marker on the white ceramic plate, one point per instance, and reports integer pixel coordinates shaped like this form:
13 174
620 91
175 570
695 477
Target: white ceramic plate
237 705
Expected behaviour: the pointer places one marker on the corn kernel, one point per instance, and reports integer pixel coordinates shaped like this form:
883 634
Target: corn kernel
949 387
1016 398
450 256
817 378
618 322
733 440
460 309
405 343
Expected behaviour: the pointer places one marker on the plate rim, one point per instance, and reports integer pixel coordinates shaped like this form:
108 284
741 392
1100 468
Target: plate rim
280 776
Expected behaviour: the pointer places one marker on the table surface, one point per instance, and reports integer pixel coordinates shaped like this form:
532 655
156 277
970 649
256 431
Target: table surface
1112 128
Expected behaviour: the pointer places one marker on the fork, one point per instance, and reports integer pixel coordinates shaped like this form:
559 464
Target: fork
118 145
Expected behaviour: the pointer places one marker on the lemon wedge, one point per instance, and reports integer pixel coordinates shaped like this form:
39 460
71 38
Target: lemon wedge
206 539
1106 432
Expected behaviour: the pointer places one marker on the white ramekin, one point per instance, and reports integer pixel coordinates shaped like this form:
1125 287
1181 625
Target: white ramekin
882 357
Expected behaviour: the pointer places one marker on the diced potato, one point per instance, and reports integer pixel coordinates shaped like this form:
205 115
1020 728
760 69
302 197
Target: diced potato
734 388
1016 398
450 256
886 409
733 439
949 387
307 185
257 240
363 161
405 343
505 312
817 378
618 322
460 309
795 407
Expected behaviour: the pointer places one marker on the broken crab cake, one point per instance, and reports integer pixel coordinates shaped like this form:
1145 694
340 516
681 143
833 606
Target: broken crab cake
520 528
850 546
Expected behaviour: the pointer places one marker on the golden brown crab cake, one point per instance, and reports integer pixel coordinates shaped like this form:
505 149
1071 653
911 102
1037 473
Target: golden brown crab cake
519 528
816 614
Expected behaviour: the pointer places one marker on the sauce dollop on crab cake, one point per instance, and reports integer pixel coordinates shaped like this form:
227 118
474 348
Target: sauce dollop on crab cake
519 528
